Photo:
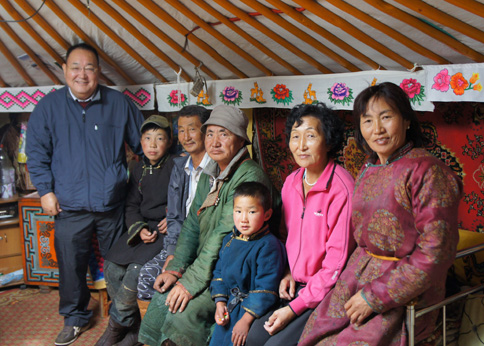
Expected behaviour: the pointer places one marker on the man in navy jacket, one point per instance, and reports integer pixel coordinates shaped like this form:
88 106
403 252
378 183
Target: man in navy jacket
77 162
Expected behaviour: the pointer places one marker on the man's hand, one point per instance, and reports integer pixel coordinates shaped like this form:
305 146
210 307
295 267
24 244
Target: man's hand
279 320
164 281
177 299
287 287
50 205
221 314
168 259
147 236
162 226
357 309
241 329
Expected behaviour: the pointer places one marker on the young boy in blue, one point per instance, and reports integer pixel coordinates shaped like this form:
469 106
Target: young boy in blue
251 264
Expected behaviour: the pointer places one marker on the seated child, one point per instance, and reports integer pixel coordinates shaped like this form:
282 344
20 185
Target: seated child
146 222
251 264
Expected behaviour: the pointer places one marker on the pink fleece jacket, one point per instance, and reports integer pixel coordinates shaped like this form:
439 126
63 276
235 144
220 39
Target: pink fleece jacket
320 237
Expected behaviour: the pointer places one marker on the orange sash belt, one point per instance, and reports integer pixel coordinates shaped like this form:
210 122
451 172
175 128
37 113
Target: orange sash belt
385 258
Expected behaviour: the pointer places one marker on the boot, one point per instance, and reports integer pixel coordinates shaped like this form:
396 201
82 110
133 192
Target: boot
143 306
114 333
131 338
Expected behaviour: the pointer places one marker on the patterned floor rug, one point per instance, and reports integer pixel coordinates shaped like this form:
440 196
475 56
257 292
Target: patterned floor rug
30 318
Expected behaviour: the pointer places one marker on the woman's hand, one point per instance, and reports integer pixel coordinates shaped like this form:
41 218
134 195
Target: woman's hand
221 314
357 309
279 320
162 226
241 329
287 287
147 236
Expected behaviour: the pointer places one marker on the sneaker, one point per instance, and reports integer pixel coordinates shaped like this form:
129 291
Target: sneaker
69 334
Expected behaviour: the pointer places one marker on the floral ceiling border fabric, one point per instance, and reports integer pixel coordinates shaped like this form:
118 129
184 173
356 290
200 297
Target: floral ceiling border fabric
435 83
338 90
25 99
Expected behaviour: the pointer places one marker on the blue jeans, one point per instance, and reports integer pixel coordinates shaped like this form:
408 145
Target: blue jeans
121 282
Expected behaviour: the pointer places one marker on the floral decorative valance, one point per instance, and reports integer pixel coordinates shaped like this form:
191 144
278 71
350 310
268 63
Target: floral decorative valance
444 83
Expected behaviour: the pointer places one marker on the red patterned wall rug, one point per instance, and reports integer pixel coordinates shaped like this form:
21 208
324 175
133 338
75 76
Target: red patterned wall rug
30 318
455 130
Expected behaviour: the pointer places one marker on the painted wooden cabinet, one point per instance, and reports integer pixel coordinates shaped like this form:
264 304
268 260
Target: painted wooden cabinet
40 259
10 240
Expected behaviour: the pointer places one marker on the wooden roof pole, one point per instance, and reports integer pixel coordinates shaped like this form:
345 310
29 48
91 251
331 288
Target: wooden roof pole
207 8
269 33
142 39
349 28
26 48
73 26
296 15
426 29
443 18
164 16
111 34
202 24
276 18
26 26
472 6
16 65
385 29
164 37
2 83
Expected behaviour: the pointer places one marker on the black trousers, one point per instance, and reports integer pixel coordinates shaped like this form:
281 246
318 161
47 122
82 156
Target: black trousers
72 241
289 336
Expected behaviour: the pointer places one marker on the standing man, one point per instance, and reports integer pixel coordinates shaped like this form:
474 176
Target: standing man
77 162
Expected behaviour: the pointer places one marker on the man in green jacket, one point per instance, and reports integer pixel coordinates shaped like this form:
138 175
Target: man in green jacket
181 312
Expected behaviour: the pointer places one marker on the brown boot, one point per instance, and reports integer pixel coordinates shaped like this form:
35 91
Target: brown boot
143 306
131 338
114 333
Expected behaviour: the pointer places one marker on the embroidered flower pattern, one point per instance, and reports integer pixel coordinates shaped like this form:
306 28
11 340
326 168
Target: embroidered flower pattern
231 96
282 94
177 99
340 93
414 90
442 81
460 85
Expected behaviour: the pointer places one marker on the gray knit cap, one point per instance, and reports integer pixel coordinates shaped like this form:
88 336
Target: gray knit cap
231 118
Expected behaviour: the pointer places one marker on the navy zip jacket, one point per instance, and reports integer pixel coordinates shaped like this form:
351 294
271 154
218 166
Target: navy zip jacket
78 153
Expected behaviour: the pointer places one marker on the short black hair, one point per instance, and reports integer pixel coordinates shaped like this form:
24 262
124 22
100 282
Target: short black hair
332 126
152 126
398 100
191 110
83 46
256 190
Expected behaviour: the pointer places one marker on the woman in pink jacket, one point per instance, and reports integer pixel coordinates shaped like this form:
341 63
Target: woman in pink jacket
317 207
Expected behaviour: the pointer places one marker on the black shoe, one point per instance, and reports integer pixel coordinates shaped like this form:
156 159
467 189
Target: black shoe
69 334
114 333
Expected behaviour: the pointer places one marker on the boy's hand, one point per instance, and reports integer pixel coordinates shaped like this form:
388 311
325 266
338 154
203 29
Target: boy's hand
287 287
162 226
241 329
164 281
148 237
221 314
